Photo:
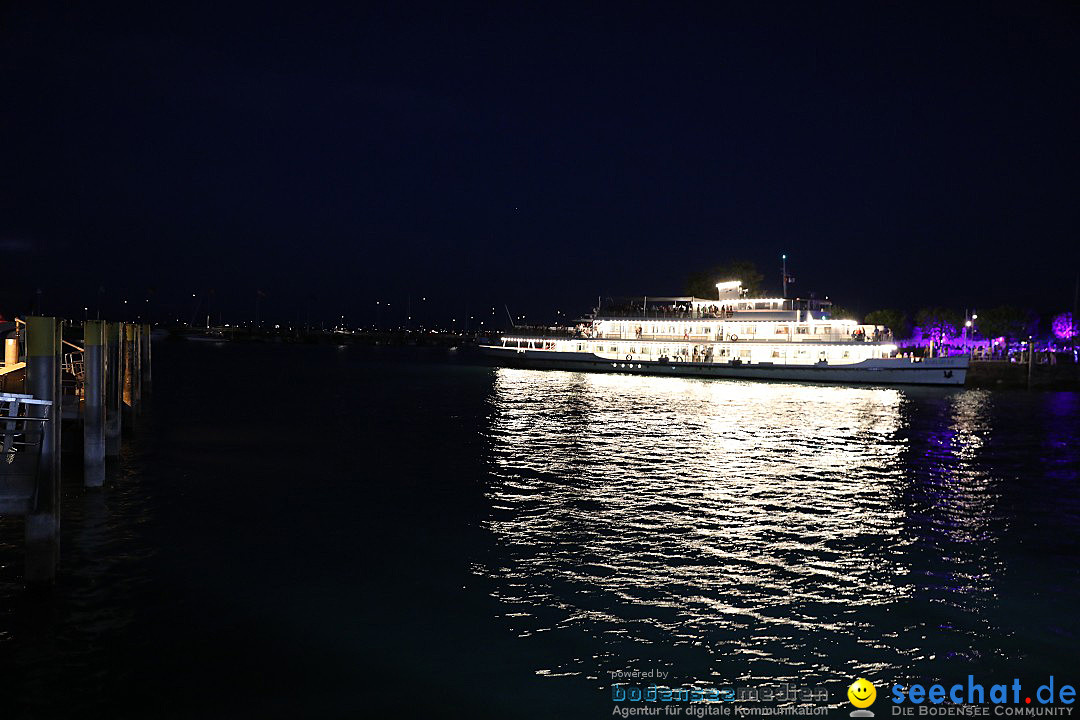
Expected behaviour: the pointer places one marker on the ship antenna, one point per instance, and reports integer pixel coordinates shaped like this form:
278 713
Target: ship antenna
512 324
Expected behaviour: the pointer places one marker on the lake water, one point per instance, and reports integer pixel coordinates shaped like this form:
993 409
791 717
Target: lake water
313 531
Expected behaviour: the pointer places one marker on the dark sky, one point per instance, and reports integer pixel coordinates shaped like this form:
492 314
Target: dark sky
901 154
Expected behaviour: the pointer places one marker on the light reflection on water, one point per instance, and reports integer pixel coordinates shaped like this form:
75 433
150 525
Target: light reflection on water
744 531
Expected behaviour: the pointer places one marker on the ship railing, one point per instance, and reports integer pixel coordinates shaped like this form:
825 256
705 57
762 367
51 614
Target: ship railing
22 420
73 367
536 331
661 315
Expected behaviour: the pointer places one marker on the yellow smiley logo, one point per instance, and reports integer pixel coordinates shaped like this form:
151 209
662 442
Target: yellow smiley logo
862 693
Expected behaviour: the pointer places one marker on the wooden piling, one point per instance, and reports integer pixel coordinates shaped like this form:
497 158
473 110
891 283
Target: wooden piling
93 404
127 332
113 389
136 376
43 360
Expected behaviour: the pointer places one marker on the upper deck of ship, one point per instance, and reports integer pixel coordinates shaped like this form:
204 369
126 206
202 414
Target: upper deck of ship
730 304
730 317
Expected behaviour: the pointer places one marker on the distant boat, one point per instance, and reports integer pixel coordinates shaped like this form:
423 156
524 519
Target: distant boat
728 337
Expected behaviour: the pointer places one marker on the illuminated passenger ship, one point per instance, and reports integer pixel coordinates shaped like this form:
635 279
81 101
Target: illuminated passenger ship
731 336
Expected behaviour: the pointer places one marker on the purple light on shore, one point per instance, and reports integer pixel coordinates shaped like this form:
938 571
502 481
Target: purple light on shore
1064 328
934 334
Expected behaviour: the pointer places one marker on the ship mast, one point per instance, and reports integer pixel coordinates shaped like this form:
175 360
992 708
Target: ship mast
783 272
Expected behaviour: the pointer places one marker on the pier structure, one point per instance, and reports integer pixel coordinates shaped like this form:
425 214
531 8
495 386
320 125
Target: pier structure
65 389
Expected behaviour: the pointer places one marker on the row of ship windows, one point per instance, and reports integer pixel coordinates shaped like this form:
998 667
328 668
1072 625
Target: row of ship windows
745 329
723 352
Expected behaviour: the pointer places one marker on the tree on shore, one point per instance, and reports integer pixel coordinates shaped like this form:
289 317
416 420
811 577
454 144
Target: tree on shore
839 312
703 284
938 323
895 320
1007 321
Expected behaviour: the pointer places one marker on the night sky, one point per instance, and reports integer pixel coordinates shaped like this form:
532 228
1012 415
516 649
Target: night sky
901 154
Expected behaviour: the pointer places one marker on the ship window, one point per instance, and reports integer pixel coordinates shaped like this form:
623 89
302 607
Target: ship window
802 330
744 353
826 329
776 353
781 330
847 354
614 349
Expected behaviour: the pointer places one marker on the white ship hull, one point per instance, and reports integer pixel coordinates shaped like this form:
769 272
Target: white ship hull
883 371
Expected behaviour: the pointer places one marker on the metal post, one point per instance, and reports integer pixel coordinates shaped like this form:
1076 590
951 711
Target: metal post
146 376
43 521
1031 359
113 389
58 405
93 405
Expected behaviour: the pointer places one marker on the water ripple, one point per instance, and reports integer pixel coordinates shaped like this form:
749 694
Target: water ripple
749 530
